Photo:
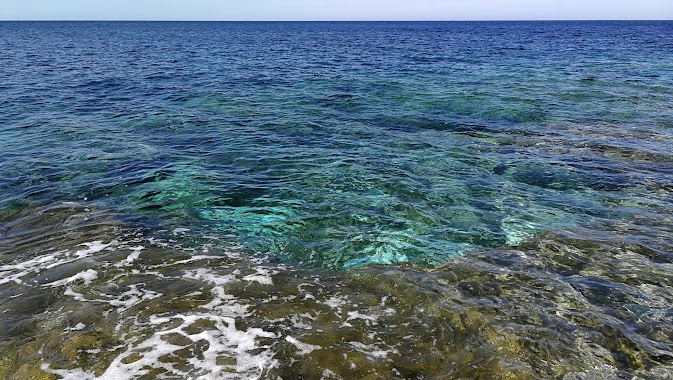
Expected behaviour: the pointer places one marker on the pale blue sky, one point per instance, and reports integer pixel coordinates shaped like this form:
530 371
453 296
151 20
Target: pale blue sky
334 9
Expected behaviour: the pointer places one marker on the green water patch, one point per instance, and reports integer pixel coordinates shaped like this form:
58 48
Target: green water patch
344 213
418 176
339 188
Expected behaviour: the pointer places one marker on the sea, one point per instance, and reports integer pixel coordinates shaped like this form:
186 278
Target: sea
336 200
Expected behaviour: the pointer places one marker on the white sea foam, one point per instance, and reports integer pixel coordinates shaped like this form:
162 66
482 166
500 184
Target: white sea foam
93 247
371 350
328 375
224 340
132 297
77 296
86 276
207 275
263 276
304 348
17 271
357 315
336 302
221 348
180 230
77 327
133 256
225 351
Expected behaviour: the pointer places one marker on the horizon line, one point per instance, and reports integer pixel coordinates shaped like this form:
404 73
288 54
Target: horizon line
344 20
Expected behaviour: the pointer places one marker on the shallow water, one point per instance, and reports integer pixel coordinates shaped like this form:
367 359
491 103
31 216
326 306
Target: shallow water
336 200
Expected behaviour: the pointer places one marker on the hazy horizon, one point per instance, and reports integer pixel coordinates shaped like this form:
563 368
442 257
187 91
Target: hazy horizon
344 21
333 10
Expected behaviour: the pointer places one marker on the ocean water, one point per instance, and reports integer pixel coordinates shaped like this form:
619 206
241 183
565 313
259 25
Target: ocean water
322 200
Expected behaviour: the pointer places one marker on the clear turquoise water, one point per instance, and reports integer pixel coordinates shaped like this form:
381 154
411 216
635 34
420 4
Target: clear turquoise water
534 156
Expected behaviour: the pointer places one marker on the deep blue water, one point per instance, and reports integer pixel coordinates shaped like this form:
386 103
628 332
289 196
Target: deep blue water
338 146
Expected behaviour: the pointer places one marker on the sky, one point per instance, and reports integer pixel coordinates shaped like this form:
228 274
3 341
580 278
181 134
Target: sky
336 9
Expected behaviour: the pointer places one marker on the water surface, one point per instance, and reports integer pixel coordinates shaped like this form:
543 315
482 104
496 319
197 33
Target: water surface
336 200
